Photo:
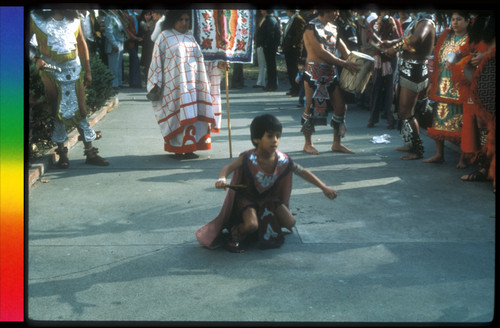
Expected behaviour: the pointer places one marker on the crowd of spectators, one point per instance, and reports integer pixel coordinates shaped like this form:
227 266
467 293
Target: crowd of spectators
111 33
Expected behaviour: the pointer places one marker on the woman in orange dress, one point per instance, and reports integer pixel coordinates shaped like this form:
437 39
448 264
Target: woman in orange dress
447 121
478 131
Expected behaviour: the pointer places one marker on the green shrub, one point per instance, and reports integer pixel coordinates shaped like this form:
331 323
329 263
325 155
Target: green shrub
101 89
39 118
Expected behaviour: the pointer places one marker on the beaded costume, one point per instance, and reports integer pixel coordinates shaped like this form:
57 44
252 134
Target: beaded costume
322 78
61 39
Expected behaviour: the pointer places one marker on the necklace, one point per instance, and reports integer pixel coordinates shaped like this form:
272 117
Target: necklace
452 45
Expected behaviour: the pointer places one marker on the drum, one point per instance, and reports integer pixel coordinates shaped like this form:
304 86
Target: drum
356 82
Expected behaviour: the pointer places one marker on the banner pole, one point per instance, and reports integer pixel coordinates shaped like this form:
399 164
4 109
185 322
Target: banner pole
228 117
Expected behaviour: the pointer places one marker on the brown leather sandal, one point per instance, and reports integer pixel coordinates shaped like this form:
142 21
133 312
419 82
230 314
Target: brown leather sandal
93 158
63 162
478 175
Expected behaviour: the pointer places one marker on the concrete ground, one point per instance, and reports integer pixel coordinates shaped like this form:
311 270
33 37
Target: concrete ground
404 242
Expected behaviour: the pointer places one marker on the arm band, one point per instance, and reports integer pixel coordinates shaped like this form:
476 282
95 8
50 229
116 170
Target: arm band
404 44
298 169
398 46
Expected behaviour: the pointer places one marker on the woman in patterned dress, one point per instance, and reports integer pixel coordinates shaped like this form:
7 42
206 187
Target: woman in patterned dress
447 122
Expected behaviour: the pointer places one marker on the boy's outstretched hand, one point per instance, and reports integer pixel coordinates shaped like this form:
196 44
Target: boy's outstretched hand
330 193
220 184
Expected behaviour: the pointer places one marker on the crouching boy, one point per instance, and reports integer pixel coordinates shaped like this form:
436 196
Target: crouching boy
257 203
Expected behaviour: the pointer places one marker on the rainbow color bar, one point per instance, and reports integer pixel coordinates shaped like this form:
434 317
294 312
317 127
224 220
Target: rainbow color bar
11 164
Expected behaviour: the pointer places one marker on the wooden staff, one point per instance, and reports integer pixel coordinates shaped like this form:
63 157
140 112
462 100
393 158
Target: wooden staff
228 117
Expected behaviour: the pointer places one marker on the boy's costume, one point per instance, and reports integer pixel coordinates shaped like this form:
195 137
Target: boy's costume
60 37
264 192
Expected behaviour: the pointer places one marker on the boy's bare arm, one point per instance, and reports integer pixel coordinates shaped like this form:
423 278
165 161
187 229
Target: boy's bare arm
310 177
227 170
83 53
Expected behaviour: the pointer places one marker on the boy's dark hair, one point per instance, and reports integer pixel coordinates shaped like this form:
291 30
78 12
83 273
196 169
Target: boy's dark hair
262 124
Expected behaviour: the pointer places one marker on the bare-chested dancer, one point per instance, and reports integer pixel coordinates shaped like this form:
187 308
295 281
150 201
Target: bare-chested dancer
416 46
321 84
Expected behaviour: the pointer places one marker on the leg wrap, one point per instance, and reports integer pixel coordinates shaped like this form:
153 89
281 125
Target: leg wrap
338 124
482 160
417 146
407 133
61 150
307 124
483 136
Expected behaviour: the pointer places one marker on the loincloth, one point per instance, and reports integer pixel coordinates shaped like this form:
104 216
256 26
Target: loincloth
323 79
413 75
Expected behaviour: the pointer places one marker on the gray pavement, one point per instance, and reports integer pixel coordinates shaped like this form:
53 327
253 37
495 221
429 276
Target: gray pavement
403 242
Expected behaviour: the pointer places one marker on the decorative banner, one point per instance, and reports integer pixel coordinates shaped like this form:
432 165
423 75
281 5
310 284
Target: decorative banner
225 34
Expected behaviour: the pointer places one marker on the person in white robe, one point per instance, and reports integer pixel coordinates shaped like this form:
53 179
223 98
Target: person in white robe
184 109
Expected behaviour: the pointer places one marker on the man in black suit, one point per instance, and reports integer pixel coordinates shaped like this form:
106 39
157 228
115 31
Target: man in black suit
270 35
293 43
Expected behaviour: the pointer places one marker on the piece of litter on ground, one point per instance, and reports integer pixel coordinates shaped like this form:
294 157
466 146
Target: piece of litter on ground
381 139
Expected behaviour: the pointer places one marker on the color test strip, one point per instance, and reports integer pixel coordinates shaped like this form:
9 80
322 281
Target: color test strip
11 164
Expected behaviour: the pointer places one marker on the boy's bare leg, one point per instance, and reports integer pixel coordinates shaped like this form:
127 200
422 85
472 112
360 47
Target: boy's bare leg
51 94
249 223
308 145
337 146
339 109
285 217
402 148
407 101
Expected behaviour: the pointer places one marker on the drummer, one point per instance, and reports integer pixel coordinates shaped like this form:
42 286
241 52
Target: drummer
416 46
321 84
